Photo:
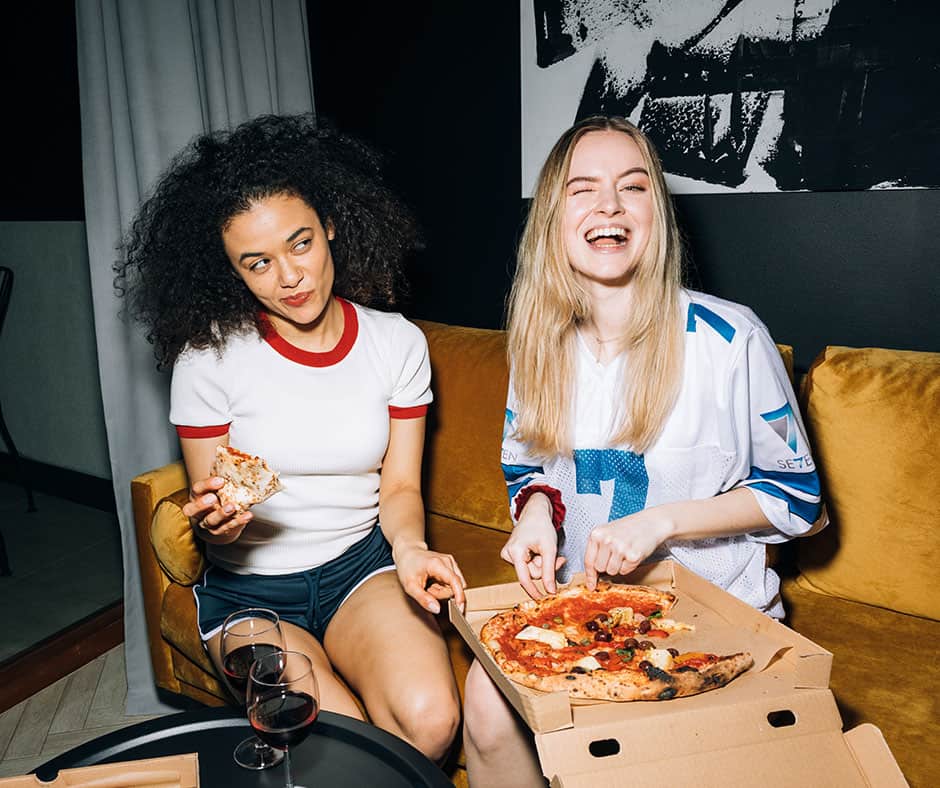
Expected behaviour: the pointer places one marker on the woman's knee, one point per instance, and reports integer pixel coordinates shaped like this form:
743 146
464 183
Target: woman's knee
429 719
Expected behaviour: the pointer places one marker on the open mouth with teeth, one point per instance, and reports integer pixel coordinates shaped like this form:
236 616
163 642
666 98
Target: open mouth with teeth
607 237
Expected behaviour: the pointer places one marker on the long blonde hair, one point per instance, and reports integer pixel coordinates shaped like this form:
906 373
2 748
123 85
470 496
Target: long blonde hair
547 303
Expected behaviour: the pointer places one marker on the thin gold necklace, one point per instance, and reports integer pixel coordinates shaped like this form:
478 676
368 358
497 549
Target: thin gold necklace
604 341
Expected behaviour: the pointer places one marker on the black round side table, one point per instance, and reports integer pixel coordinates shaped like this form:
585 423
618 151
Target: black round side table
340 751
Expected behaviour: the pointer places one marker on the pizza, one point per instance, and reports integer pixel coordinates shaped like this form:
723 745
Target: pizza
606 644
248 479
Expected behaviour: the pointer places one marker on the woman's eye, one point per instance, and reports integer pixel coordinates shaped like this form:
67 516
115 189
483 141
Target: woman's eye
302 246
634 187
259 265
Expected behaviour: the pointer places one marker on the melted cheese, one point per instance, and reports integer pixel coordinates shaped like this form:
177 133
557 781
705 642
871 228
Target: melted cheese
588 663
669 625
659 657
547 636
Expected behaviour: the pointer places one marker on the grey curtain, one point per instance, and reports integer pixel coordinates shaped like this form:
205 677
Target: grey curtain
152 75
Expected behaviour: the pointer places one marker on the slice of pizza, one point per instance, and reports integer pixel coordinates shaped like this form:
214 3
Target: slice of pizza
248 479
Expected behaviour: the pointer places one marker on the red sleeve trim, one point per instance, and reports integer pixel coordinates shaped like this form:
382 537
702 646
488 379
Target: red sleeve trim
558 508
407 413
213 431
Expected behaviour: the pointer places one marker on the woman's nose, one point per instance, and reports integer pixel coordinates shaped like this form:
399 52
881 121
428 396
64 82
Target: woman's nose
608 200
290 275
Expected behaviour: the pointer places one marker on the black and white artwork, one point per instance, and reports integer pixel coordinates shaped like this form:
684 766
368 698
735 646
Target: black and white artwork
744 95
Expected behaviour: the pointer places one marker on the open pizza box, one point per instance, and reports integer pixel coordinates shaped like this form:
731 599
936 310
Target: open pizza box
775 725
172 771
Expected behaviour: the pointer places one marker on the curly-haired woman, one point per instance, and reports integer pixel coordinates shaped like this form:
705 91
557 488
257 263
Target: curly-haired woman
259 266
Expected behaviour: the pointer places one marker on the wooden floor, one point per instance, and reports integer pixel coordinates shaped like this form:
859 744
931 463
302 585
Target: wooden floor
81 706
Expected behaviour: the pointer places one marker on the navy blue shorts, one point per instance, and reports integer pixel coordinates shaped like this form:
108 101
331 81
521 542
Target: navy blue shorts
308 599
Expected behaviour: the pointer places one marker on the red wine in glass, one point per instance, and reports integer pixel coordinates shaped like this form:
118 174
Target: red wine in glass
247 635
283 701
237 663
283 720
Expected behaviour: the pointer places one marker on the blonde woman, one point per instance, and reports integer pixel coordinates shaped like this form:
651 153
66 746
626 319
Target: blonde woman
644 422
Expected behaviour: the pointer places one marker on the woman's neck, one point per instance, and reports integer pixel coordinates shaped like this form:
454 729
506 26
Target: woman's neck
610 314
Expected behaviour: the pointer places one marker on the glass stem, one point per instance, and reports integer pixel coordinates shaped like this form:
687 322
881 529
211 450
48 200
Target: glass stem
288 781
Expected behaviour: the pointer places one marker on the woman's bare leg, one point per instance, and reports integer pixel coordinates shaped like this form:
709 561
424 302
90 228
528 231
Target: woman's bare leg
499 746
391 653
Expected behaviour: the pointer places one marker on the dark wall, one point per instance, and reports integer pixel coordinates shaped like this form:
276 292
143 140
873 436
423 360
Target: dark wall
436 86
42 145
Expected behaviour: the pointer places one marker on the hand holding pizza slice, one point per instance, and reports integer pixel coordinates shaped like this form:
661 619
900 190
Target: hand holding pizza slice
219 506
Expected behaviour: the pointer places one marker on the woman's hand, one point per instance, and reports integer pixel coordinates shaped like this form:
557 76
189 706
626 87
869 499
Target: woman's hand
533 546
620 546
428 576
212 521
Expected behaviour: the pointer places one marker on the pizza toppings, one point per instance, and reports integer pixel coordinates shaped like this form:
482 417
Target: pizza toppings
248 479
547 636
603 644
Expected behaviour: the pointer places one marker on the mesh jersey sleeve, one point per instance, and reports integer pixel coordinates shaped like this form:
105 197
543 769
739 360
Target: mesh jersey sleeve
197 398
411 386
524 474
775 461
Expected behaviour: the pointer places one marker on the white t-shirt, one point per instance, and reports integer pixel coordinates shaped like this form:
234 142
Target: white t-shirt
320 419
735 423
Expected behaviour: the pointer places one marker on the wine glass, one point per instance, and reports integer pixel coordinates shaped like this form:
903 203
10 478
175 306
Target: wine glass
246 635
283 701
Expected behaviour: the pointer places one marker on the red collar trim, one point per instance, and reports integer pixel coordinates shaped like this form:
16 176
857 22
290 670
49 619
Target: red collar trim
311 358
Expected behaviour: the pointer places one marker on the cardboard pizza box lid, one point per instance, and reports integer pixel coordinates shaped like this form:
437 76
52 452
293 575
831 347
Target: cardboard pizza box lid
758 744
775 725
172 771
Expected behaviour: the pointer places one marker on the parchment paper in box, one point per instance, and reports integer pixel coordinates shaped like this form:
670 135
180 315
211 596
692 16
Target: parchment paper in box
777 712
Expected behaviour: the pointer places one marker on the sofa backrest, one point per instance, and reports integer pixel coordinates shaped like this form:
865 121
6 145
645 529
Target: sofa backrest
873 417
470 376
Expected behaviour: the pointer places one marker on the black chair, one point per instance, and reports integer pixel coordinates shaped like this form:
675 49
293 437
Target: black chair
6 289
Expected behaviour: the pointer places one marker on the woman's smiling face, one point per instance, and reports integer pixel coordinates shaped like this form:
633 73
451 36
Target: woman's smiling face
280 249
608 215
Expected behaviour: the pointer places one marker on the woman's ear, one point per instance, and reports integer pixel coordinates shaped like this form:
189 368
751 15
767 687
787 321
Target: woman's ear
330 230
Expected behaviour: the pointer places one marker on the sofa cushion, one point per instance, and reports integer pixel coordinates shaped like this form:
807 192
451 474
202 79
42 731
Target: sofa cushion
882 672
872 416
175 545
465 425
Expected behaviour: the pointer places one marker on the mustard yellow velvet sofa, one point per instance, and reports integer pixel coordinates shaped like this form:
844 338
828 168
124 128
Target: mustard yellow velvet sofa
866 588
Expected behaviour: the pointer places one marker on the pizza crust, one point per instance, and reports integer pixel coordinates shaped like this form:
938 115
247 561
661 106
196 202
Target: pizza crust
655 684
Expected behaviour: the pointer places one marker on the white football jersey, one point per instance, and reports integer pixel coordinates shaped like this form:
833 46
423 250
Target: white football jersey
736 423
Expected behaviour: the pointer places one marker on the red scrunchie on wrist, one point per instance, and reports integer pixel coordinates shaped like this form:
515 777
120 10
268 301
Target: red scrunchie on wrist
558 508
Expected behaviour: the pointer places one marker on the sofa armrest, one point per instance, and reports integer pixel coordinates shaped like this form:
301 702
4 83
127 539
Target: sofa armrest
147 490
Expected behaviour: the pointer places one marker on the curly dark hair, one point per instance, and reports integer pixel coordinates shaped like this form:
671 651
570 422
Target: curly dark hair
173 271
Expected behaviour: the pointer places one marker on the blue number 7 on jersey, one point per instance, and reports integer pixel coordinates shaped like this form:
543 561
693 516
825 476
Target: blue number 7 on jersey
627 471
